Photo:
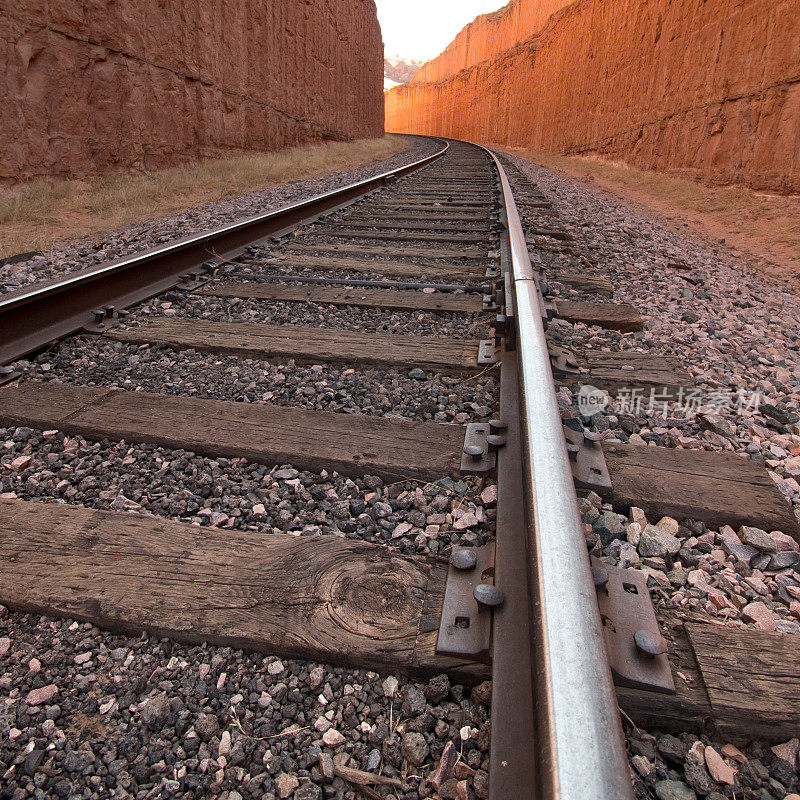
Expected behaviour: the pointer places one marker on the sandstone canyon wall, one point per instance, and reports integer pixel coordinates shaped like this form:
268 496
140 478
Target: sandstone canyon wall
708 88
94 85
487 36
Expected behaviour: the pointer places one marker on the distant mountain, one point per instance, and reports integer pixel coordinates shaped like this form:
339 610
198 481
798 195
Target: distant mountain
399 70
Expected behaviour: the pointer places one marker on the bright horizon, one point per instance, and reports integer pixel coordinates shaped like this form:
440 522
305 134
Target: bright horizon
404 36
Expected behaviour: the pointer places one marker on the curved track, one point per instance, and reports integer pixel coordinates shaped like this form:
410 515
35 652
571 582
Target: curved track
395 311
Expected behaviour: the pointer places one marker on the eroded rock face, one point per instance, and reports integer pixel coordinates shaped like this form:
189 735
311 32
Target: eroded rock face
92 86
705 87
487 36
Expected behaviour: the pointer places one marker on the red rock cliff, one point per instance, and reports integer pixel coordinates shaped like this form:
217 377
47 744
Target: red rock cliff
92 85
706 87
487 36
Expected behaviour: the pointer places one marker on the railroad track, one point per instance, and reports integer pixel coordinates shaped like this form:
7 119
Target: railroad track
376 362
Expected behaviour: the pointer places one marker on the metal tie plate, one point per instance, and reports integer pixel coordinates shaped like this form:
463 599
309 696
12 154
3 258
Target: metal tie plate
510 313
193 280
8 374
478 456
487 353
586 458
465 628
103 320
563 360
637 653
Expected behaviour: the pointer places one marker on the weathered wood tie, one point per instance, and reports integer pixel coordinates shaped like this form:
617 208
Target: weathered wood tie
307 345
423 222
313 440
715 488
627 371
434 208
344 231
734 683
401 300
418 222
583 281
401 269
387 250
614 316
322 598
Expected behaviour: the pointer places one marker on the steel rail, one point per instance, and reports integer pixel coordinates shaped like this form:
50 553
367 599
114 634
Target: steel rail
579 735
33 317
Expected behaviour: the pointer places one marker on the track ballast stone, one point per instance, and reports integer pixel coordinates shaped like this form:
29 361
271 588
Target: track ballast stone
735 332
87 714
89 252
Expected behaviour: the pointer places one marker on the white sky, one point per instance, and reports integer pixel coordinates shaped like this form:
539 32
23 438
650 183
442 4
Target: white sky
423 28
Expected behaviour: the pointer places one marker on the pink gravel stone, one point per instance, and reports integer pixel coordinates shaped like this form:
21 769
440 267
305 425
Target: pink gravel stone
719 600
718 769
446 766
5 645
783 541
732 751
333 738
757 585
38 696
760 615
401 529
788 751
20 463
489 495
467 521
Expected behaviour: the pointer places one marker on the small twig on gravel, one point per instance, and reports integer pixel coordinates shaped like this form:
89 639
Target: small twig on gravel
477 374
213 252
359 777
288 732
630 721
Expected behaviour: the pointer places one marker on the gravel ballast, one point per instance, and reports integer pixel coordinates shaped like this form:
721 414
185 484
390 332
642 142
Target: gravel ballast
88 252
737 334
86 714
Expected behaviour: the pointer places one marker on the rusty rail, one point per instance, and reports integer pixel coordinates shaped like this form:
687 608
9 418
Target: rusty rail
32 317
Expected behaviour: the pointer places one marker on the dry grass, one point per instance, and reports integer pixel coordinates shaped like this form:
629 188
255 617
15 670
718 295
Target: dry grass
41 213
766 225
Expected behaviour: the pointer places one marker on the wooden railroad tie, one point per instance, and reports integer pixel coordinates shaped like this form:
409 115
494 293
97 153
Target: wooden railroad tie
322 598
398 269
583 281
623 371
550 233
455 196
614 316
428 253
715 488
420 222
344 231
735 683
474 210
394 449
401 300
310 345
341 602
